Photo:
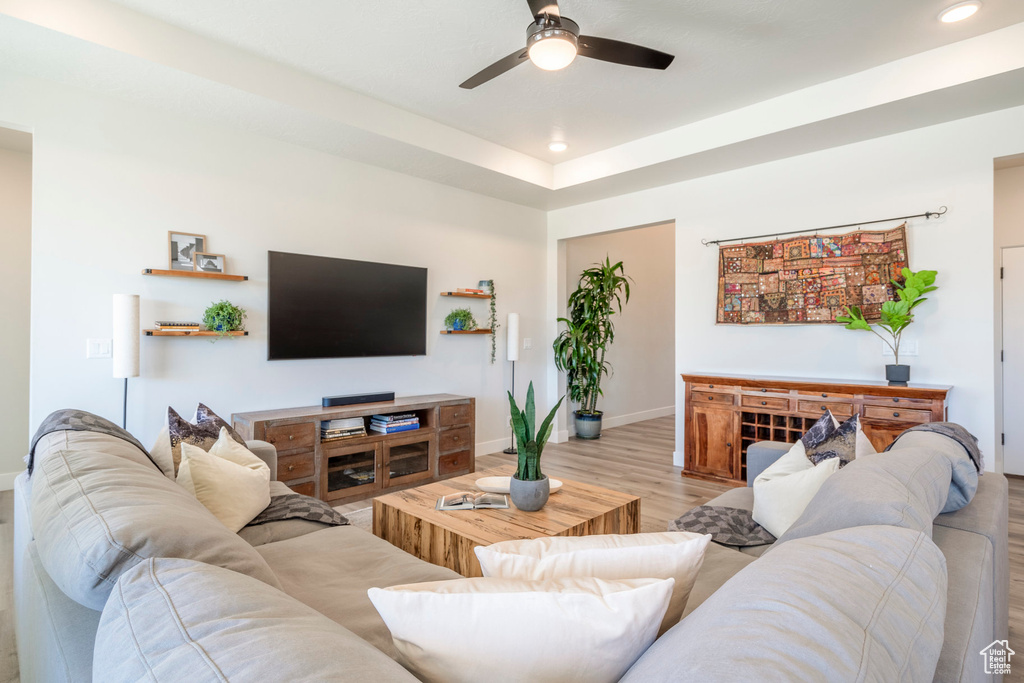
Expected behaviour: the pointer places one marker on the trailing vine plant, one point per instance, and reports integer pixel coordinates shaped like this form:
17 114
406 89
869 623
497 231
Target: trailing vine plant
493 321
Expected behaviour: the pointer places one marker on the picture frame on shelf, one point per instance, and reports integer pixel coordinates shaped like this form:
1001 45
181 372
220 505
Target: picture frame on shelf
182 248
209 263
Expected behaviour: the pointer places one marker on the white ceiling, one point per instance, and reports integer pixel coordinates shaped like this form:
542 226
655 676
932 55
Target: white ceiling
729 54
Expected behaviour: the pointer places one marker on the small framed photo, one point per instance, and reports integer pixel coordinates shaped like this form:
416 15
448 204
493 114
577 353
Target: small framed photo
209 263
183 247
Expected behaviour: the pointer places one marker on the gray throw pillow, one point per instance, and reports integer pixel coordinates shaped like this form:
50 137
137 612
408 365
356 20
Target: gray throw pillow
819 431
840 443
906 490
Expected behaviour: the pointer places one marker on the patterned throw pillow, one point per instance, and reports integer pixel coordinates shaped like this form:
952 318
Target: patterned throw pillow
203 433
840 443
821 430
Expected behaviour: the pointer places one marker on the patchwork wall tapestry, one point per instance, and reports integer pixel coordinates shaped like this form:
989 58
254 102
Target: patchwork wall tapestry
806 280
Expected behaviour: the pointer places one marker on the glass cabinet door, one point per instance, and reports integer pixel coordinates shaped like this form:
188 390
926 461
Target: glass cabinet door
411 458
350 470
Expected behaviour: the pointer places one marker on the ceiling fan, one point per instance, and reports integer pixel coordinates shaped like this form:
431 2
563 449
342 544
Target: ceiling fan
553 41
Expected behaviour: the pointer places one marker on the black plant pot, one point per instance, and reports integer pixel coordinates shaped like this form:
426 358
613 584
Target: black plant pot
898 375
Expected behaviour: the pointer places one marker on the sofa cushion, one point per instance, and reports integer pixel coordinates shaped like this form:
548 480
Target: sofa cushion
720 565
69 440
96 515
778 620
331 570
179 620
907 491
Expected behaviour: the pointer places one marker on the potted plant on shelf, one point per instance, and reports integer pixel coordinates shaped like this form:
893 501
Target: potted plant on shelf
224 317
460 319
896 316
581 347
529 487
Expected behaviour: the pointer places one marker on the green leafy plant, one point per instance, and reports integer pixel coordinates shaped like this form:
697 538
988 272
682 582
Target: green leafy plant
581 347
224 317
896 316
492 321
530 443
460 319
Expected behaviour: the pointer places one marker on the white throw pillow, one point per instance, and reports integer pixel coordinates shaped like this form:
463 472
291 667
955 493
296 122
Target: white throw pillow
666 555
561 630
780 500
229 480
161 451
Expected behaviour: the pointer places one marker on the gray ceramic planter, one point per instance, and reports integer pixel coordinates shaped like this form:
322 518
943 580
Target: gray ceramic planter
588 425
529 496
898 375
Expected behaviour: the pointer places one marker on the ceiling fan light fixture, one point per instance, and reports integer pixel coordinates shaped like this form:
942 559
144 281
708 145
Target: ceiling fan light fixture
552 49
959 11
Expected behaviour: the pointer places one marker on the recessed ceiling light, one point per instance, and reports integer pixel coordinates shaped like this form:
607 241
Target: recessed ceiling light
959 11
558 146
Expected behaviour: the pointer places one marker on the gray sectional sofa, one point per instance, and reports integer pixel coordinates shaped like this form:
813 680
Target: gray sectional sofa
120 575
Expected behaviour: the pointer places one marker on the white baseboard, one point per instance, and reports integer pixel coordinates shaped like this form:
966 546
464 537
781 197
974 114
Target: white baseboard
678 459
7 480
620 420
487 447
562 436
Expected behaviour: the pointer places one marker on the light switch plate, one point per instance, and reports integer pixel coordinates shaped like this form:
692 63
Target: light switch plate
527 343
909 347
99 348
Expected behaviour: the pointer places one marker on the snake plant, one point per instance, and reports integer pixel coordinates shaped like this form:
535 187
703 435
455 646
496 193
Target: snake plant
531 443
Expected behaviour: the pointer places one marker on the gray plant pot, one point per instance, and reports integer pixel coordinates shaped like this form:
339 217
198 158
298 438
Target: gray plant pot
898 375
529 496
588 426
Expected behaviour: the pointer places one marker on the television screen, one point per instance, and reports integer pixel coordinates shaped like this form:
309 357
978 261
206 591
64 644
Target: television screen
323 307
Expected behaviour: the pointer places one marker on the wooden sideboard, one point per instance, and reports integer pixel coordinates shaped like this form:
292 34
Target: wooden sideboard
349 469
725 414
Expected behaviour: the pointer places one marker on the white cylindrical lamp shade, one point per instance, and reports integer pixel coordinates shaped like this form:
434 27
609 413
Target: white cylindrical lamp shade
126 335
512 333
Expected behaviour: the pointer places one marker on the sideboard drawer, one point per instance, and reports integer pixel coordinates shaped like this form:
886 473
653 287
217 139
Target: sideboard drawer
922 403
456 415
897 414
454 462
765 390
818 407
292 437
454 439
729 388
298 466
704 397
765 402
826 394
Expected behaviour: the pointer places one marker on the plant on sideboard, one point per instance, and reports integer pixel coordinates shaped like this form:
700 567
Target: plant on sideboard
460 319
896 316
580 348
530 487
224 317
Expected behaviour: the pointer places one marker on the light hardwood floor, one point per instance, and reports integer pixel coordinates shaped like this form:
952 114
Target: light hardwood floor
636 458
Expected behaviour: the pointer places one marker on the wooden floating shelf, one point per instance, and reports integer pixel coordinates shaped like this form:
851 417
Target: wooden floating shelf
194 333
195 274
467 295
466 331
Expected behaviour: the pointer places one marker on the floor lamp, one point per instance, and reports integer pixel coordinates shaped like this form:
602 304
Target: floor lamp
512 355
126 343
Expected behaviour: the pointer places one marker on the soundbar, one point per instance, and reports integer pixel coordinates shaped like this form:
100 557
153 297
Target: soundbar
352 399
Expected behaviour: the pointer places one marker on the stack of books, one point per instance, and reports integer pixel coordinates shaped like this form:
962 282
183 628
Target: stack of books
344 428
176 325
463 290
391 424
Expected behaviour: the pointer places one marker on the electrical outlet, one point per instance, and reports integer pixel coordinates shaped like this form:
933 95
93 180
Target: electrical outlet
908 347
527 343
99 348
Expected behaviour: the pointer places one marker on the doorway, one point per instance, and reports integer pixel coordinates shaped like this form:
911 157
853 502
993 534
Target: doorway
1013 359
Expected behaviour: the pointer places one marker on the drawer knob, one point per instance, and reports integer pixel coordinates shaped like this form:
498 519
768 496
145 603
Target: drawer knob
824 395
895 414
824 407
711 398
764 390
711 386
291 467
455 438
895 400
764 403
728 445
291 436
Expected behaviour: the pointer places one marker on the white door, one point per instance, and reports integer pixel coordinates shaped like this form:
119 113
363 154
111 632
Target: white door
1013 359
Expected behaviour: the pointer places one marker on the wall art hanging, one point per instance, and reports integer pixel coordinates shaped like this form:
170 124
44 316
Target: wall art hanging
809 279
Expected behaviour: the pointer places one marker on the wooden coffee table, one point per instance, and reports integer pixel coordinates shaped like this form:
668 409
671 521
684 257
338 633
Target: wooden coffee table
407 519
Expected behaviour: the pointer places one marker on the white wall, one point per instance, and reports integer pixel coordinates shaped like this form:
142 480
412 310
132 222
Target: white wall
643 354
16 229
1009 232
912 172
111 178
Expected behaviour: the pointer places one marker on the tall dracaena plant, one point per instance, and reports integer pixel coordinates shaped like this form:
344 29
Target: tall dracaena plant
531 443
580 348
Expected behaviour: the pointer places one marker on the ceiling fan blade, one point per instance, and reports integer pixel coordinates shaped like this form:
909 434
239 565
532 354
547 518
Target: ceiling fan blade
539 7
616 51
496 69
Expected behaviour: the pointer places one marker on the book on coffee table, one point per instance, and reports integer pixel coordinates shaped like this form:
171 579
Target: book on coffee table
468 500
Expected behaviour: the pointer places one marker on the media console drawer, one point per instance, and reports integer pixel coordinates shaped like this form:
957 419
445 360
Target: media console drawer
456 415
298 466
454 439
292 437
454 462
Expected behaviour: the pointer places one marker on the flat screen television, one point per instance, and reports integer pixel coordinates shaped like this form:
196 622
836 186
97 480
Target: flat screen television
322 307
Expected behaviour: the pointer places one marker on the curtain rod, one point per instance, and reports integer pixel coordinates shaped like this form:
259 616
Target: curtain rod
927 215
